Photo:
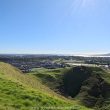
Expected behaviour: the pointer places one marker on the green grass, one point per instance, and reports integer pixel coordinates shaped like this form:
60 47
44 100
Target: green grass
13 95
49 77
20 91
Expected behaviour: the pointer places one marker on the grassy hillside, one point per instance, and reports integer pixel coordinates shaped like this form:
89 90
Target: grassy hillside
25 92
49 77
89 85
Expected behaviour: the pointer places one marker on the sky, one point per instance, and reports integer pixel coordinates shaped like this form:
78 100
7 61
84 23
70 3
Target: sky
54 26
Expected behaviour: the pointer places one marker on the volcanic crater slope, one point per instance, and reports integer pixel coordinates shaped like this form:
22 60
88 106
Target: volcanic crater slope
91 85
88 85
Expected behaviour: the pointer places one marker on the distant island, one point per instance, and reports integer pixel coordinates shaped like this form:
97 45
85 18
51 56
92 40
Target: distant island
102 55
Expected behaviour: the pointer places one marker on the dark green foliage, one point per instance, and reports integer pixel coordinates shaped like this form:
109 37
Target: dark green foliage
73 79
86 84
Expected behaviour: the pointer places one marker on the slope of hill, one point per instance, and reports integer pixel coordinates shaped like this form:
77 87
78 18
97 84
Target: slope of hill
24 92
89 85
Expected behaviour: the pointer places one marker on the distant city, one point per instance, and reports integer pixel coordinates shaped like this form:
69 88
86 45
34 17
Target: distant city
26 62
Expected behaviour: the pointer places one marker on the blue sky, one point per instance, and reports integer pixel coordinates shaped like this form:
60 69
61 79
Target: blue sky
55 26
